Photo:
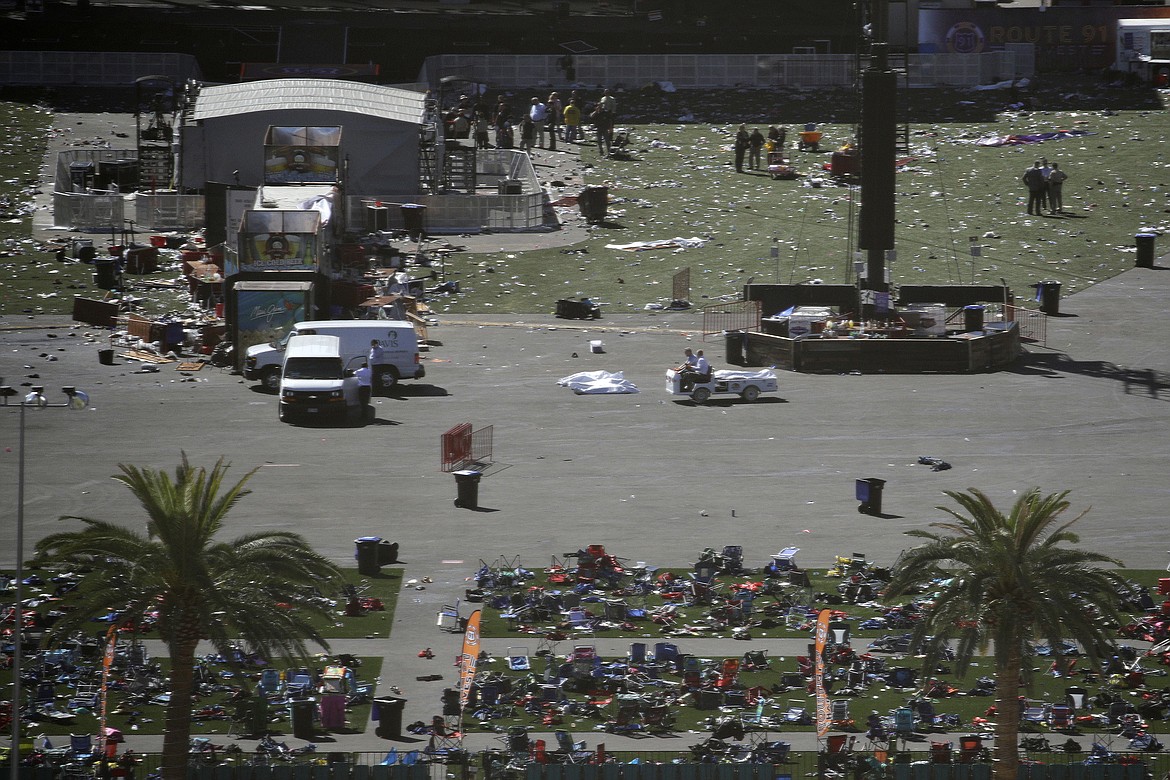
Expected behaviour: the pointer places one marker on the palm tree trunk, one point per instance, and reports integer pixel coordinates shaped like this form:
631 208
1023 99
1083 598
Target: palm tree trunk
177 734
1007 714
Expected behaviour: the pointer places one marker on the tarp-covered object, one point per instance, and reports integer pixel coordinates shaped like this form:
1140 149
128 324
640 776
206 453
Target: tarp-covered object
597 383
1031 138
733 375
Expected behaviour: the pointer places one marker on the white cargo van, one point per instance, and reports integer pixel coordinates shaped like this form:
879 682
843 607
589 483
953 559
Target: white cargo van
399 347
316 382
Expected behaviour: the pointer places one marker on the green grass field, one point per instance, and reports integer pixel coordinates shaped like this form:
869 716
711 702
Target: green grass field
679 182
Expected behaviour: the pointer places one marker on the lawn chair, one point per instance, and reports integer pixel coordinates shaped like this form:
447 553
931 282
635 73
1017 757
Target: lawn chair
1076 697
270 684
940 752
903 721
573 752
728 673
970 747
755 660
81 749
637 654
840 714
1034 714
300 685
1060 717
518 660
797 713
448 618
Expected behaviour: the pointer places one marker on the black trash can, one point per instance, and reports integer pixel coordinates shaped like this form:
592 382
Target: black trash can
594 203
1048 294
302 717
467 483
258 715
387 552
1145 249
869 492
973 318
366 552
735 347
106 357
413 217
106 273
387 710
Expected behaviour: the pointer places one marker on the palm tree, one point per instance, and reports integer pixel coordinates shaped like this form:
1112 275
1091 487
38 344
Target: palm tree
1007 581
255 588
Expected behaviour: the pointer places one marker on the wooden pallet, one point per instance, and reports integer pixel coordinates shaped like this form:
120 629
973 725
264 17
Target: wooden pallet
146 357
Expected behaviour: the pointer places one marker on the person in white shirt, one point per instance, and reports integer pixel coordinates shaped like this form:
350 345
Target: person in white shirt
365 378
538 113
375 359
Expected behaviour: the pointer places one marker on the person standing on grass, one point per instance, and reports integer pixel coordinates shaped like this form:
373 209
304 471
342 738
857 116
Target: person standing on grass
538 113
1033 179
1056 180
755 146
572 119
742 142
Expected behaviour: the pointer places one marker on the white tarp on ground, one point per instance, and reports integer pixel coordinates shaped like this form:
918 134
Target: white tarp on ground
732 375
666 243
597 383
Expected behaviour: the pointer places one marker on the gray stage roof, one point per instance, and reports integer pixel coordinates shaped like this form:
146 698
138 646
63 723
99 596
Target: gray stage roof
399 105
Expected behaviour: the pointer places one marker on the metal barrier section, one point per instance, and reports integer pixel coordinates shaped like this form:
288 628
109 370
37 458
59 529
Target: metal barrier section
89 213
680 285
1033 324
461 447
455 447
724 317
481 445
168 211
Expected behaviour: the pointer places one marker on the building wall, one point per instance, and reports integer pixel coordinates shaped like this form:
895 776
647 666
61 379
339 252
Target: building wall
381 155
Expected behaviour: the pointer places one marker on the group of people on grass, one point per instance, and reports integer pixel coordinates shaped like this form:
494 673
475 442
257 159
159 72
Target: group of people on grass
538 123
1045 185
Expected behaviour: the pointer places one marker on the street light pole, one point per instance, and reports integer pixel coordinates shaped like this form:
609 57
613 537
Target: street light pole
35 399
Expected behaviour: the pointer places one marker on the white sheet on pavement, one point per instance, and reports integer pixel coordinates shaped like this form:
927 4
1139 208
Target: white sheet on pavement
731 374
597 383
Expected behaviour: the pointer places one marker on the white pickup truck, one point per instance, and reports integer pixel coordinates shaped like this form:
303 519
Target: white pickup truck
746 384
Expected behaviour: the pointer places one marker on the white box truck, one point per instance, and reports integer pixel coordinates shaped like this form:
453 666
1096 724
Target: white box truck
1143 49
397 338
315 382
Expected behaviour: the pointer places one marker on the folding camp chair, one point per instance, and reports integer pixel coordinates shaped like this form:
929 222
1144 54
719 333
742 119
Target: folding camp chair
840 714
970 747
728 673
940 752
299 685
81 749
1035 714
573 752
797 713
1075 697
270 684
518 660
448 618
1059 717
903 721
636 654
755 660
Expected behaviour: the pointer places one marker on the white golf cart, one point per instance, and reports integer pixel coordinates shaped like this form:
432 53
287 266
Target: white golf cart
746 384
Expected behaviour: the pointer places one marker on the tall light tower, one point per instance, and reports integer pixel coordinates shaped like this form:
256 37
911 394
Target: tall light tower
879 95
34 400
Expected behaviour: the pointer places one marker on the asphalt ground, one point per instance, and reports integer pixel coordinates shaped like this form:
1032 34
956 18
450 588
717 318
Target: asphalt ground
650 477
